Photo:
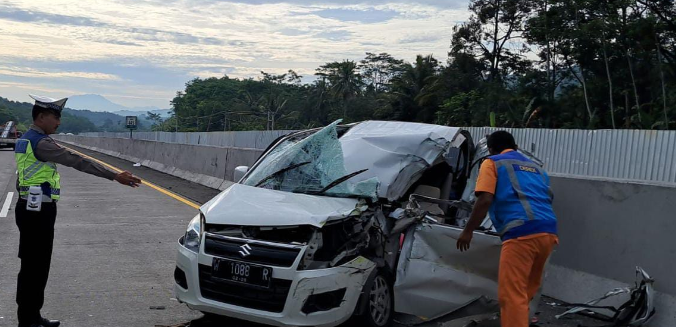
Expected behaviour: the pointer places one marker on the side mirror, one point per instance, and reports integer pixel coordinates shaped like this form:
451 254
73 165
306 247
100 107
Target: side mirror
240 171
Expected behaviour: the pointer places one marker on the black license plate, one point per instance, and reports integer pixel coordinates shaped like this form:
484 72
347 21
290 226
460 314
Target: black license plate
241 272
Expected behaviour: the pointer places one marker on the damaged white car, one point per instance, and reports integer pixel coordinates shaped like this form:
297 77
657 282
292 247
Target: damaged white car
346 221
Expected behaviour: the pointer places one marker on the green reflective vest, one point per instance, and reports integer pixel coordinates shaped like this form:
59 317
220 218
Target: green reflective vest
33 172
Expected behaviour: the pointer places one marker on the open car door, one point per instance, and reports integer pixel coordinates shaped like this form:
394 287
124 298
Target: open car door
433 277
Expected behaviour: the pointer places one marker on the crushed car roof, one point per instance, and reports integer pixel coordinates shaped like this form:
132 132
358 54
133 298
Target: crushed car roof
395 152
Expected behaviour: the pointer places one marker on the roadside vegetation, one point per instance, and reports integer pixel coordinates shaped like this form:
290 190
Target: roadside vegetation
514 63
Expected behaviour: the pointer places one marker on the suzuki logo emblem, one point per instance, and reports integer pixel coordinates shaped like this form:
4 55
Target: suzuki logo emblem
246 250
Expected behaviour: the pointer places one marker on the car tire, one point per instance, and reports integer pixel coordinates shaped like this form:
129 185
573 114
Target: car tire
380 306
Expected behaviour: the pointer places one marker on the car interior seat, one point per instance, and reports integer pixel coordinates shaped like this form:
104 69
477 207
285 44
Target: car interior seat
432 192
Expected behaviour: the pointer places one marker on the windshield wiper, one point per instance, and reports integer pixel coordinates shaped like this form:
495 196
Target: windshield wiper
338 181
281 171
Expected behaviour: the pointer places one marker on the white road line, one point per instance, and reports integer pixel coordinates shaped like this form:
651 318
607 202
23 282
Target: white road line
5 207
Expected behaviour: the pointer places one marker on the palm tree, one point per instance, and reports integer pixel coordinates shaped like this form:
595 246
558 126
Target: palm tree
344 79
416 88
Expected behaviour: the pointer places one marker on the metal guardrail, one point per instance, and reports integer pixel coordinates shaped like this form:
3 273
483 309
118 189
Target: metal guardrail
640 155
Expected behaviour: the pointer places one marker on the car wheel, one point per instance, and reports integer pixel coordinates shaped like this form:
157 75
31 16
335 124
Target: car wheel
380 306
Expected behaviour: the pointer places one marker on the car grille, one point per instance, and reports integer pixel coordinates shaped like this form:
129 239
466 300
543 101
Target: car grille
259 253
268 299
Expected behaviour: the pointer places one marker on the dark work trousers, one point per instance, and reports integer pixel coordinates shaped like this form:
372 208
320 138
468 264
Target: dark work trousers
36 231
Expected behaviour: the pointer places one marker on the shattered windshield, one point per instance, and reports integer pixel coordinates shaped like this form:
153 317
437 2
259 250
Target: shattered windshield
312 166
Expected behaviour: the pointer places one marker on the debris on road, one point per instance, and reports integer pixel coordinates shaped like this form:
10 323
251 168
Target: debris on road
636 311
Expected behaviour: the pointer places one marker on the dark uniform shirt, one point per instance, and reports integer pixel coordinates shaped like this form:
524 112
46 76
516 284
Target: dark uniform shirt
48 151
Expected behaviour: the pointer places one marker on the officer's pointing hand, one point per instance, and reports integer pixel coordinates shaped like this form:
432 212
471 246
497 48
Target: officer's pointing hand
126 178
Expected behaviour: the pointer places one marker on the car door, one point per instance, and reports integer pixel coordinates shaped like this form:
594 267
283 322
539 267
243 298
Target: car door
433 277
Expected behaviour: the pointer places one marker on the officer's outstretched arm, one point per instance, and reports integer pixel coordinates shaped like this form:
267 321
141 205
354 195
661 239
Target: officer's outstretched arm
48 151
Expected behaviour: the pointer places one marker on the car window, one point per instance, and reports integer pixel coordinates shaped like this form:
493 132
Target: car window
309 165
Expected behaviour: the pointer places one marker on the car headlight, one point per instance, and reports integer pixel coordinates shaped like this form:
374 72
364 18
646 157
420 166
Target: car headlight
193 234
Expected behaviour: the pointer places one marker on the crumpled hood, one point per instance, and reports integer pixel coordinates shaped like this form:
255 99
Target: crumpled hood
254 206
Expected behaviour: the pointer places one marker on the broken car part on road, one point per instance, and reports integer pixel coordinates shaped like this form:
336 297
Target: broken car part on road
636 311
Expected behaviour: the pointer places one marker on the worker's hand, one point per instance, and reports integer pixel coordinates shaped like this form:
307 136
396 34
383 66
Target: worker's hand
126 178
464 240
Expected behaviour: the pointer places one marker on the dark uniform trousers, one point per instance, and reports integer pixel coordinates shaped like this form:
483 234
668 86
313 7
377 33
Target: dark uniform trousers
36 230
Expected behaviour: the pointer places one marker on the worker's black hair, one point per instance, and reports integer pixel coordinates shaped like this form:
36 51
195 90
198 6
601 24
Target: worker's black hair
500 141
37 110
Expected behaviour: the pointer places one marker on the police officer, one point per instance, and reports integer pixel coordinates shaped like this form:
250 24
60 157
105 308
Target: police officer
516 192
39 186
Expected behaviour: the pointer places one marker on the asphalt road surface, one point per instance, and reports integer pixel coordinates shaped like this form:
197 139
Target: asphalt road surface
114 252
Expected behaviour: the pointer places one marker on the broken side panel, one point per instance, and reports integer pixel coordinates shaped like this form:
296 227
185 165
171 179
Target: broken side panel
434 278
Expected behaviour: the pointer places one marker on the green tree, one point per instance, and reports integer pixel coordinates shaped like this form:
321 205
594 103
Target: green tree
416 90
344 81
156 120
6 115
378 70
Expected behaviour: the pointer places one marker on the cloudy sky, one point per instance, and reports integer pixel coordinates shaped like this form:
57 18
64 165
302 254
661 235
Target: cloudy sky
141 52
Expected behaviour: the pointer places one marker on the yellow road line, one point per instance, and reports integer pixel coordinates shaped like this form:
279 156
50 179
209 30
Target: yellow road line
144 182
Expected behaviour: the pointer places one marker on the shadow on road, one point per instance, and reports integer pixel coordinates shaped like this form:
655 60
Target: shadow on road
214 321
482 313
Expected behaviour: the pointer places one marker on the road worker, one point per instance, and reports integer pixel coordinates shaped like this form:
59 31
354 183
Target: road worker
39 186
517 194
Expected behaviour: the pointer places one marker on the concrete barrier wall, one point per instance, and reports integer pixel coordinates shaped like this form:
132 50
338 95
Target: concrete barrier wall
606 227
615 227
239 139
207 165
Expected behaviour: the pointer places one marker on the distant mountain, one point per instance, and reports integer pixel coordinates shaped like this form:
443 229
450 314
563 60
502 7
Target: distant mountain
98 103
110 122
21 112
164 113
93 102
77 117
99 118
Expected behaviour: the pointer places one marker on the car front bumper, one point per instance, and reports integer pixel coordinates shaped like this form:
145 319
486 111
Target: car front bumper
303 283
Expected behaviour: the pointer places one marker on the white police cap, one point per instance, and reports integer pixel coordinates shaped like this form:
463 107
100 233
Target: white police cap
49 103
